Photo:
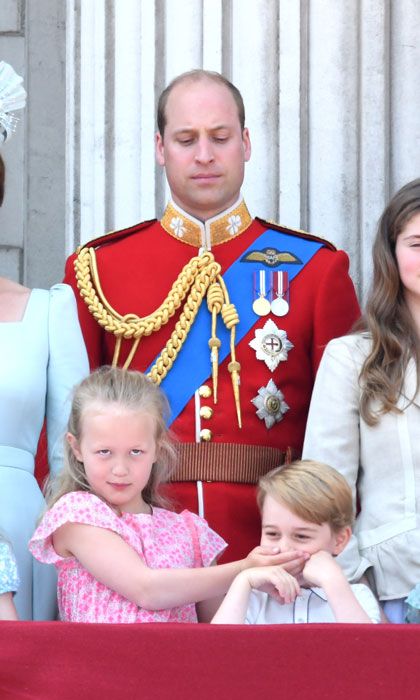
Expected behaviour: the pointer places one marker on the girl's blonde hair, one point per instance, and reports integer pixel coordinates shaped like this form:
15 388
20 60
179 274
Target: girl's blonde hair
312 490
135 392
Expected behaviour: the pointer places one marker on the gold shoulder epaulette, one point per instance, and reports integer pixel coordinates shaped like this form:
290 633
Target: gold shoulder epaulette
297 232
113 236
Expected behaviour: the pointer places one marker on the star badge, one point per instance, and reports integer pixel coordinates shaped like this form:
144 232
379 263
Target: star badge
270 404
271 345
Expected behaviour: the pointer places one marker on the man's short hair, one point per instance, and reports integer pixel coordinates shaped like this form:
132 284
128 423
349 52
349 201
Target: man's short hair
312 490
196 76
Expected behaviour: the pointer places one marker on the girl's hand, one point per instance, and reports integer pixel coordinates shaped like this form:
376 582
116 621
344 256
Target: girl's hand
275 581
291 561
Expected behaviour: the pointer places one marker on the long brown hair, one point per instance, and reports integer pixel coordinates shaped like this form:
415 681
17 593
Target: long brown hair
387 317
135 392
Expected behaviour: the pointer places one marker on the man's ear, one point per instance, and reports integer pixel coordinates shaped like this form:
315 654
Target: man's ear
341 538
247 144
74 446
160 156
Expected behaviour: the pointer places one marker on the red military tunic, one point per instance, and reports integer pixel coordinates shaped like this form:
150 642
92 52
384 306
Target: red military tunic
137 268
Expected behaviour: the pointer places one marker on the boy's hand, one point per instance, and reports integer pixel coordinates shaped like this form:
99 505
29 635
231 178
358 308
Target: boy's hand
321 568
275 581
271 579
324 571
292 561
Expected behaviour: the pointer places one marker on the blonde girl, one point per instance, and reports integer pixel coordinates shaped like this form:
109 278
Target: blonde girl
120 555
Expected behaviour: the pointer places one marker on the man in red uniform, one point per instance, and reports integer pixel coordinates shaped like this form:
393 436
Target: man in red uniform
229 313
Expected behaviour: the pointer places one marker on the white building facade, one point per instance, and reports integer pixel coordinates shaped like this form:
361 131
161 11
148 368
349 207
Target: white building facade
332 96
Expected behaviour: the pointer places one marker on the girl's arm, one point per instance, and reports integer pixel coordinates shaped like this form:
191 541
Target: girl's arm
7 607
115 564
235 604
206 609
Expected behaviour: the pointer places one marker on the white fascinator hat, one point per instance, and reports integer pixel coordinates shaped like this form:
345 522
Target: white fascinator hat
12 98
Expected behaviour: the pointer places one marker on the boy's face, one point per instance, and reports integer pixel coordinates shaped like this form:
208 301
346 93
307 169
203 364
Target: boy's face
286 530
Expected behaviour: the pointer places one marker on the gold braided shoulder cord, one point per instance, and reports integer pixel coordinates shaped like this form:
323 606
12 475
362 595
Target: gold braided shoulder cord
196 279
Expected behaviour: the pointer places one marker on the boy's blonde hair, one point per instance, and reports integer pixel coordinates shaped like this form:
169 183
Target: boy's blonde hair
312 490
133 391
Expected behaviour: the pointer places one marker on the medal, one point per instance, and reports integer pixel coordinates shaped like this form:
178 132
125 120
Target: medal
279 307
270 404
271 345
280 290
261 306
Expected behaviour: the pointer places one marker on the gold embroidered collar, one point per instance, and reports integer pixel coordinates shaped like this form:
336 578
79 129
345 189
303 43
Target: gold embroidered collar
218 229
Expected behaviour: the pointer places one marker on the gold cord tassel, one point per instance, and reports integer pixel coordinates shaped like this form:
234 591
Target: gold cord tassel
214 304
231 320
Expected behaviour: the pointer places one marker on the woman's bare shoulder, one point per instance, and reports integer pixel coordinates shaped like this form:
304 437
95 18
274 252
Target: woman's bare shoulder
10 287
13 300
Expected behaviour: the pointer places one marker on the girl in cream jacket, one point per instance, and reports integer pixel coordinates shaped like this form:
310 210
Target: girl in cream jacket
365 411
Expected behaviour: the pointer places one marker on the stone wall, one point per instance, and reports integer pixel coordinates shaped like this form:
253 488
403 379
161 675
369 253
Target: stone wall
332 98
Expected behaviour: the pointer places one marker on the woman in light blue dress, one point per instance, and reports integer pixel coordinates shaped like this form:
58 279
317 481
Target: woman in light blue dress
42 357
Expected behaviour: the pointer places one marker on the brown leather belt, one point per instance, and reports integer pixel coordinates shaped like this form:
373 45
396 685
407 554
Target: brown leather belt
220 461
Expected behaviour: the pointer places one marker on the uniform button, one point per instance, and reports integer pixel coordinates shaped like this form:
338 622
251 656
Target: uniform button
206 435
206 412
204 391
272 404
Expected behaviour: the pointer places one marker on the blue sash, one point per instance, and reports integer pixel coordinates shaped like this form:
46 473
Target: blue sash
192 367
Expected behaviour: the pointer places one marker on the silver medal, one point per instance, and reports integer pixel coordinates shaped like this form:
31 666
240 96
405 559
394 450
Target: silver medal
280 293
279 306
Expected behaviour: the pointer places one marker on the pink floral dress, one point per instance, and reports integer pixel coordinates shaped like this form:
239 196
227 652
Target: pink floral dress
163 540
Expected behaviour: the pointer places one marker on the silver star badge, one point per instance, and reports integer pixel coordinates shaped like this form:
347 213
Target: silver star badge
270 404
271 344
